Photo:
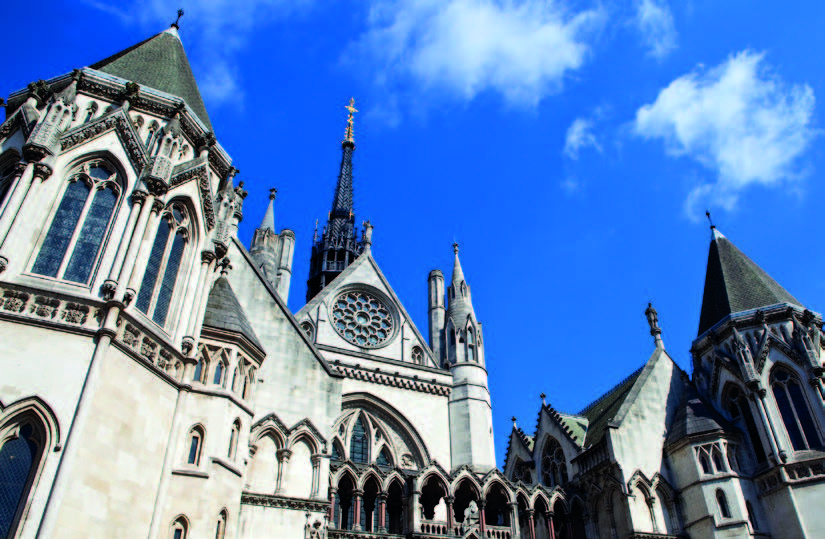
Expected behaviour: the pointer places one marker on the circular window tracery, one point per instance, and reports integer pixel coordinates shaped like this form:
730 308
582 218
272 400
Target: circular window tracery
362 319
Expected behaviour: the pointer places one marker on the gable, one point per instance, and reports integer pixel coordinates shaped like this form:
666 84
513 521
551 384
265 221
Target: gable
359 314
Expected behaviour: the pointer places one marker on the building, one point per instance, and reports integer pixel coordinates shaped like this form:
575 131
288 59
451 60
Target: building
155 383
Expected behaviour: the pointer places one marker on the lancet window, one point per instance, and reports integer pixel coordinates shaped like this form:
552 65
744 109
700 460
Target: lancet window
553 464
359 448
793 407
737 406
165 260
21 449
6 177
83 218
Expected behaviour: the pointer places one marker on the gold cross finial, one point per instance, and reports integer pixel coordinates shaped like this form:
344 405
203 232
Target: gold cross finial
349 132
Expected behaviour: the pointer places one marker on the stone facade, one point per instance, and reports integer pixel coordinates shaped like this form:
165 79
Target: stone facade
156 384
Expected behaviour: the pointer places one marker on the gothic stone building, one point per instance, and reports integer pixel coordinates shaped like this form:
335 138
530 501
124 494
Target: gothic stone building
156 385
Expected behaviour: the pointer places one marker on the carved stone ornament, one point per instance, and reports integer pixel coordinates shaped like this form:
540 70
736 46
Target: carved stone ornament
42 171
268 500
4 263
200 174
108 289
125 132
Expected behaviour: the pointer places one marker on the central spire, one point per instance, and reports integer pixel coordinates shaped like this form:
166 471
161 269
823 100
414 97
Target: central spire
338 246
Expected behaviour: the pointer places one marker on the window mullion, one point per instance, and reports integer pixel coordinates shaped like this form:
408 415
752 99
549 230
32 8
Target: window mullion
77 229
796 416
161 271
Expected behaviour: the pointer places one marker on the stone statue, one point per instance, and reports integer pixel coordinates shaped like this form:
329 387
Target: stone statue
315 530
471 514
440 512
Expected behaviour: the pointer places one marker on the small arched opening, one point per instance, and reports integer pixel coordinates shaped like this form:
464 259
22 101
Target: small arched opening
497 506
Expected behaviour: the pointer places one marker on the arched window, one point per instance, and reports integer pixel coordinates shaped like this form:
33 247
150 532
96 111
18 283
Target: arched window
248 380
195 446
722 501
471 346
793 407
220 532
236 380
220 368
737 406
150 134
180 528
71 247
21 449
158 286
337 452
384 458
200 367
233 439
703 459
417 355
359 448
717 461
553 464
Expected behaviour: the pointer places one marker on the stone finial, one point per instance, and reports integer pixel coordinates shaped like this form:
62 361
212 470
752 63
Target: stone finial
176 24
513 419
455 247
366 236
273 193
225 265
653 322
542 397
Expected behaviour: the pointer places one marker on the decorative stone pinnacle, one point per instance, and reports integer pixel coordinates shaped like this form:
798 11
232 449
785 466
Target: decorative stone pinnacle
542 397
513 419
349 135
176 24
273 193
455 247
653 322
712 226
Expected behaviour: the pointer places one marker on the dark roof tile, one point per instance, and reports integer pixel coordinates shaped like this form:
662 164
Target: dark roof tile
224 312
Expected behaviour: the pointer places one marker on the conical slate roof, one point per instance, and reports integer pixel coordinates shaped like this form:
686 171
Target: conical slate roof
159 63
695 417
224 312
734 283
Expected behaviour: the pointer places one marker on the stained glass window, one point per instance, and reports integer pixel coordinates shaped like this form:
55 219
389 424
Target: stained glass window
359 450
553 464
218 379
738 408
384 458
158 287
197 377
91 236
62 229
794 410
17 459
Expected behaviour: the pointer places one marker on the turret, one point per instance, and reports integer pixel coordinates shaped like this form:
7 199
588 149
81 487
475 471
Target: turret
273 252
435 286
471 417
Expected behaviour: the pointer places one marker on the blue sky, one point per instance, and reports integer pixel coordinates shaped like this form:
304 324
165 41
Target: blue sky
570 147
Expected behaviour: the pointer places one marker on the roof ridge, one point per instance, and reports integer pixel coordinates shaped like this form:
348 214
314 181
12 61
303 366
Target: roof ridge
611 391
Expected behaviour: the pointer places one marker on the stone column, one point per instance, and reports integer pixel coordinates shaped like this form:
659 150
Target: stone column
26 205
14 198
382 512
69 455
651 507
316 474
357 500
549 516
416 514
333 492
531 516
188 318
405 518
138 265
759 397
283 458
482 521
110 285
448 500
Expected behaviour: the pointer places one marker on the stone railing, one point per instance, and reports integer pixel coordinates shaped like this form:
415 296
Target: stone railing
498 532
433 527
794 472
349 534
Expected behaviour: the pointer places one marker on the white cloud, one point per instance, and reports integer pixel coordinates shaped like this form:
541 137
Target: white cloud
739 120
655 22
579 136
521 49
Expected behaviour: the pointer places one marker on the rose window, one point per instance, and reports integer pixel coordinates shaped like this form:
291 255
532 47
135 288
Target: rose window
362 319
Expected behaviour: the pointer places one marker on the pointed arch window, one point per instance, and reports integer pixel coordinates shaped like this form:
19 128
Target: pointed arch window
83 218
553 464
220 369
337 453
359 449
21 449
180 528
736 404
233 439
793 407
200 367
165 259
220 532
195 446
417 355
471 346
236 380
722 501
384 457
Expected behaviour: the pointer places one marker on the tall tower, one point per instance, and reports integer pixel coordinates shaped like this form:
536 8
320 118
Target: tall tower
338 245
471 416
273 252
